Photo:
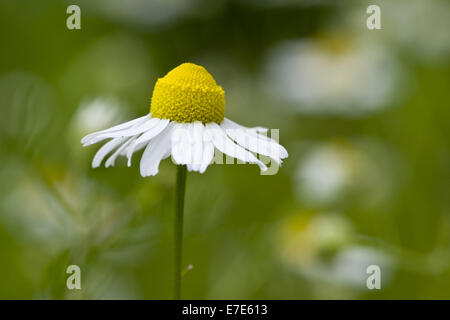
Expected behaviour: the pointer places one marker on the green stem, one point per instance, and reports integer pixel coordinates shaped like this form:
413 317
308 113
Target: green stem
179 208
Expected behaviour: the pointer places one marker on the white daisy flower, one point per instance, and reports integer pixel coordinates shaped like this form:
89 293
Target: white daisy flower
333 74
186 121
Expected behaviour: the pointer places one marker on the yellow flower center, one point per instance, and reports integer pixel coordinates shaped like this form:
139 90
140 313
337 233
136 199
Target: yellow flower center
188 93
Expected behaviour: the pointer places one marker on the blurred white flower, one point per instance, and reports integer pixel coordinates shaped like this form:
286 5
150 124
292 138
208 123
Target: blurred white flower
323 174
331 171
419 27
305 237
319 247
97 113
350 265
337 75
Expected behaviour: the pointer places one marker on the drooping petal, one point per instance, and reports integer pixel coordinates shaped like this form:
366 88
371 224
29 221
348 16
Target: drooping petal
104 150
145 137
228 147
251 140
154 131
136 148
208 151
197 146
132 148
182 143
111 160
157 149
259 129
231 124
256 144
134 130
259 132
121 126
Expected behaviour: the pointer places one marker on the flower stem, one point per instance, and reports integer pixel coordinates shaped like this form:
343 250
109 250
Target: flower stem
179 208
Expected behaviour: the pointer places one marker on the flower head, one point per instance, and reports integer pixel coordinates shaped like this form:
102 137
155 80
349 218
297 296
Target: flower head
186 121
188 93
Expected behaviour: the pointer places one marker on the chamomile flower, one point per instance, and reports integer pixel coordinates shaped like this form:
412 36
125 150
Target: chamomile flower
186 121
334 74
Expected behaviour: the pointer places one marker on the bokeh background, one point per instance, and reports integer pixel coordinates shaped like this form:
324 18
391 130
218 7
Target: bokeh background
364 115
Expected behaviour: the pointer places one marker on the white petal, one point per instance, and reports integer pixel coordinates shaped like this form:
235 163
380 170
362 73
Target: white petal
208 151
259 129
229 124
233 125
121 126
157 149
227 146
135 148
132 149
134 130
104 150
146 136
154 131
197 146
255 144
251 140
112 158
182 143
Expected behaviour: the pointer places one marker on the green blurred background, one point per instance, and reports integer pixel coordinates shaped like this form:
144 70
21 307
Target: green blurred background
364 115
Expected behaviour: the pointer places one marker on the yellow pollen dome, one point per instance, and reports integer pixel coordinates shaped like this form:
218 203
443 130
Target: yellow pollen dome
188 93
